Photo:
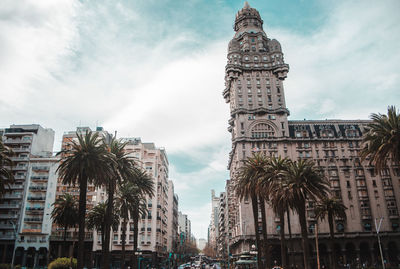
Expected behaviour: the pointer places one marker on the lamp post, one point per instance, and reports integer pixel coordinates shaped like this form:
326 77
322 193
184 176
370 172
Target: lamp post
316 244
378 228
15 242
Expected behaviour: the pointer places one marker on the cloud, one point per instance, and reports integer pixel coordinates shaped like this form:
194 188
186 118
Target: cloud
348 67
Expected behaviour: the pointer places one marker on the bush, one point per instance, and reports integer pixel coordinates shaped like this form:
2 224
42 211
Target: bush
5 266
62 263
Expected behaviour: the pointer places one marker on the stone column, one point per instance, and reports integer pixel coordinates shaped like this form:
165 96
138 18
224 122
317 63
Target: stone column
24 253
35 258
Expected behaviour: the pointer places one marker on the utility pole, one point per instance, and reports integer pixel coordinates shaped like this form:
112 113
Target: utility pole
378 228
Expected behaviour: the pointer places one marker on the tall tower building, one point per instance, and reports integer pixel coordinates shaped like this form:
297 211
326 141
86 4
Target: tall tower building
254 78
258 122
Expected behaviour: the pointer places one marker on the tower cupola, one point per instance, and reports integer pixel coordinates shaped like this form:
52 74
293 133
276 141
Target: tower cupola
248 18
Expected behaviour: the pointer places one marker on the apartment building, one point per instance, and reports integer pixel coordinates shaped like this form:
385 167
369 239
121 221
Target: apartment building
24 209
254 80
153 228
172 232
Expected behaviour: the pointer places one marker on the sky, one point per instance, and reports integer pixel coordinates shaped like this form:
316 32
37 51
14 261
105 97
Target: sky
155 69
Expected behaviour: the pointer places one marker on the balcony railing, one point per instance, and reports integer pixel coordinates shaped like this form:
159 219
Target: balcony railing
32 198
15 206
33 219
12 196
8 216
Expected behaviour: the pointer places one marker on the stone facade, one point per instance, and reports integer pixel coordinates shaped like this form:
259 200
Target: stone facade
254 78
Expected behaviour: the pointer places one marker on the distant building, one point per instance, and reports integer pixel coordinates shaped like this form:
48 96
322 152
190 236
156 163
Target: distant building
201 243
258 122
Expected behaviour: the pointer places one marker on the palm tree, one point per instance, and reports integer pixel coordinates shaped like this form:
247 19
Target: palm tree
304 183
247 186
129 199
86 161
273 188
123 168
97 217
382 139
6 174
65 214
145 186
332 208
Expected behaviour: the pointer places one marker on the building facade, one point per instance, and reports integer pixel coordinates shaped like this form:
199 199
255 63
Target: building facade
255 73
25 209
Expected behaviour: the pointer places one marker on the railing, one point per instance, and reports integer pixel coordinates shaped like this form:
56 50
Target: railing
37 188
39 177
12 196
8 216
33 219
41 168
10 206
36 198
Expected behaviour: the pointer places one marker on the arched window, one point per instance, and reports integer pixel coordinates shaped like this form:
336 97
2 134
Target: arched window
262 130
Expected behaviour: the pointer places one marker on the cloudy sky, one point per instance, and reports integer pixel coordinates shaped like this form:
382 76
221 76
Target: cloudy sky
155 69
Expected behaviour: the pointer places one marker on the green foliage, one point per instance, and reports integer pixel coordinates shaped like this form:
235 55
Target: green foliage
62 263
5 266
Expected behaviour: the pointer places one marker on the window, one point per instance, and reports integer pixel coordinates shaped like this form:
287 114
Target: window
265 58
269 98
249 91
258 82
262 130
246 58
248 82
268 82
255 58
278 90
268 90
258 90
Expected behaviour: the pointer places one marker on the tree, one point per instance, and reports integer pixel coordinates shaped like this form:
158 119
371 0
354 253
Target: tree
382 139
273 186
86 161
247 186
6 174
304 183
129 200
96 219
332 208
145 186
123 167
65 214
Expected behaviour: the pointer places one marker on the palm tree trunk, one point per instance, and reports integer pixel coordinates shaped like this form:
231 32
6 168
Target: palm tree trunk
264 231
135 238
123 239
65 241
290 236
304 235
282 235
332 236
107 225
82 217
254 205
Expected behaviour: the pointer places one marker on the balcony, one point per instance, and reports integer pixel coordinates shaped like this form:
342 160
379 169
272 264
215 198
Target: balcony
33 220
33 198
17 141
8 216
19 168
38 188
12 196
40 168
16 186
12 206
6 226
19 159
19 150
39 178
35 209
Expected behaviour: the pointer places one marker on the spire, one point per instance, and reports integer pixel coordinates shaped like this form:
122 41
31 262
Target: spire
246 5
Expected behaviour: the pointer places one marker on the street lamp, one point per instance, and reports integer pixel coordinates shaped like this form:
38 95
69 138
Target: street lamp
378 228
15 242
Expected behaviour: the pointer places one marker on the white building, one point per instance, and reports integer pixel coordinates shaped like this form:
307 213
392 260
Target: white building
24 221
